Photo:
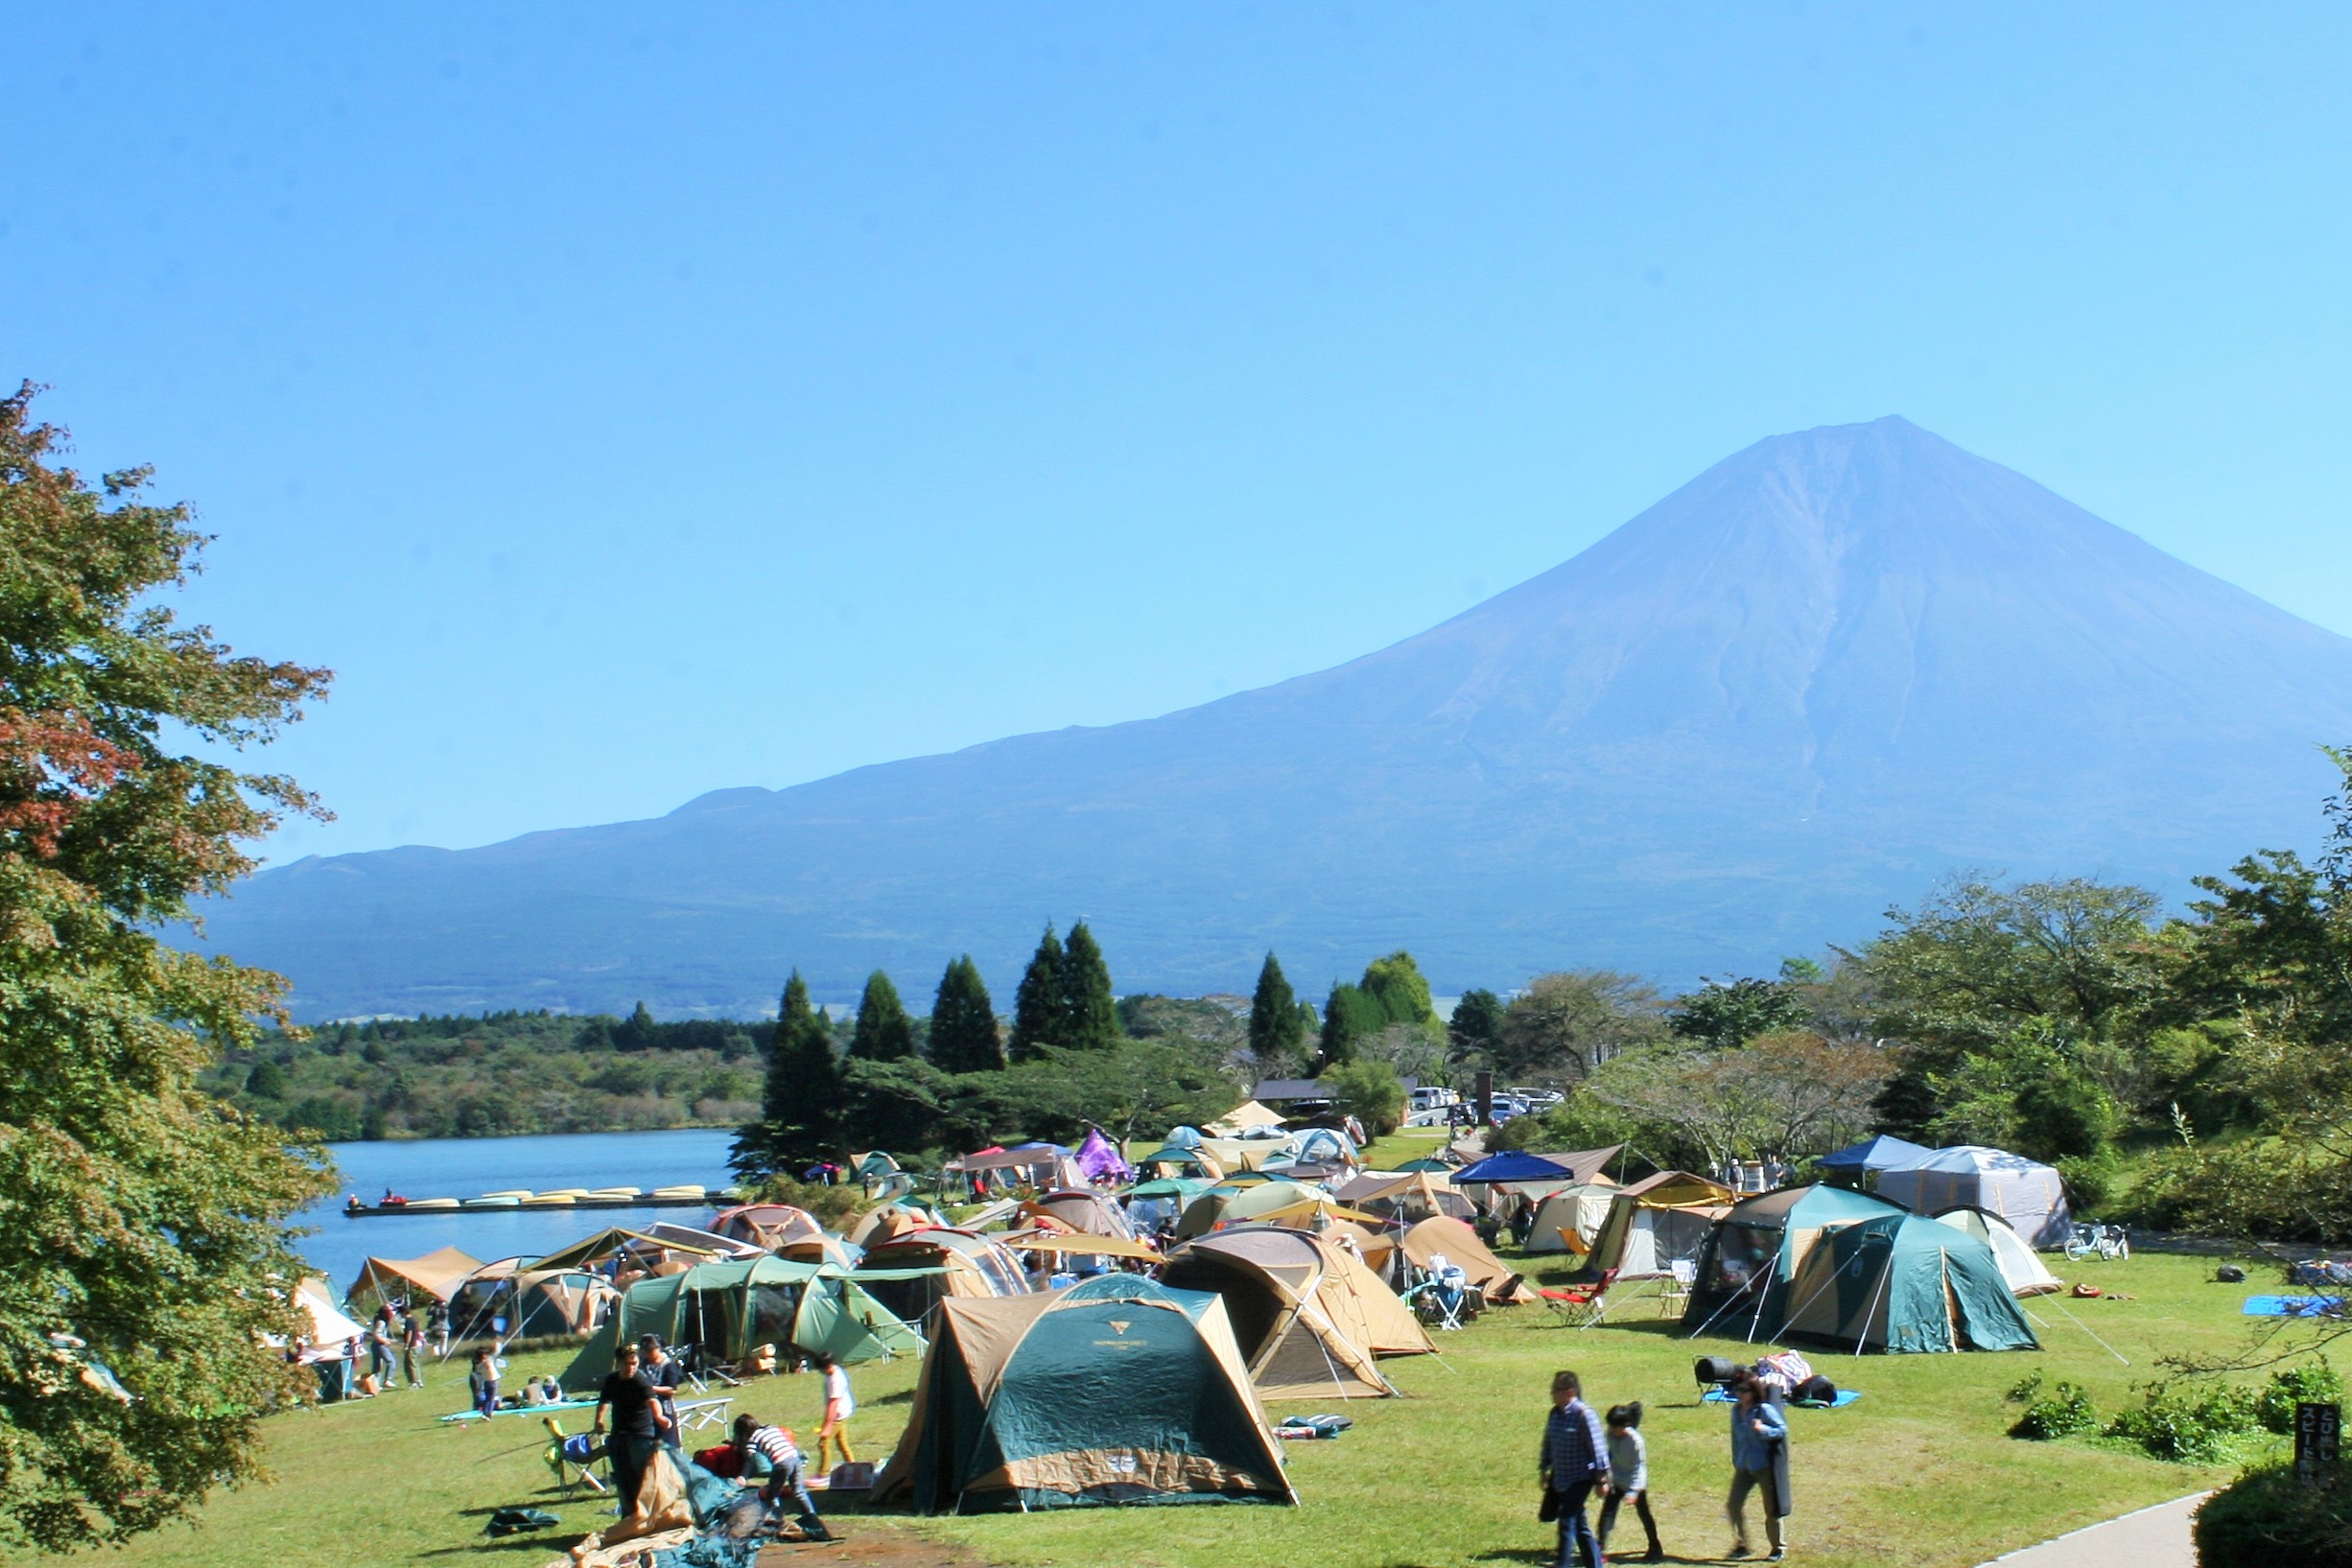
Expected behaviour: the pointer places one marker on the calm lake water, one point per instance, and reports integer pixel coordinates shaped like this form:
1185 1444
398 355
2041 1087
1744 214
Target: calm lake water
469 1167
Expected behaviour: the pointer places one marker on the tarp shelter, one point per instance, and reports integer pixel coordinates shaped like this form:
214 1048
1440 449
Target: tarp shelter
730 1309
1248 1154
1243 1117
944 1263
1654 1222
436 1275
789 1233
1409 1196
1535 1175
1425 1165
1081 1209
2027 1194
1459 1245
1023 1165
2020 1264
1098 1159
1842 1266
1310 1319
1884 1153
615 1252
710 1241
1580 1211
1118 1390
329 1327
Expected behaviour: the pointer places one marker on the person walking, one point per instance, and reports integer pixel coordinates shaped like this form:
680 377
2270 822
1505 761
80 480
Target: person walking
436 1325
1628 1477
774 1447
412 1348
382 1337
840 1406
1759 1458
637 1425
1575 1460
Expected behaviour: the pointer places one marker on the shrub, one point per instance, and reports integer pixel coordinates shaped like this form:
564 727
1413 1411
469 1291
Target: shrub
2188 1429
833 1208
2065 1411
2315 1383
2264 1520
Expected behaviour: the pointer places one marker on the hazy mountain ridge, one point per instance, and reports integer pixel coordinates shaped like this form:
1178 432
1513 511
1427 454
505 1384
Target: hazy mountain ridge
1829 670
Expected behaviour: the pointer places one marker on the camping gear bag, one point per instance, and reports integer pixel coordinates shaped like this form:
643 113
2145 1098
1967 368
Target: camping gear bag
1816 1389
515 1521
1715 1369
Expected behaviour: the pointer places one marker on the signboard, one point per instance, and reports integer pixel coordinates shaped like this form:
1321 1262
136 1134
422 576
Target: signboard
2317 1429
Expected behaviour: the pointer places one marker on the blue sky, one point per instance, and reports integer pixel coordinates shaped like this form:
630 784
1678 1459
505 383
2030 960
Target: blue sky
630 405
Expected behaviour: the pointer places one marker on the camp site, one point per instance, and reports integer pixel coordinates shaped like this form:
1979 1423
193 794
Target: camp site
1046 1360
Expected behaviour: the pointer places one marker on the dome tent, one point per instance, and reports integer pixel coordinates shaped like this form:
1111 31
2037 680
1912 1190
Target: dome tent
2030 1195
1827 1263
1118 1390
1310 1319
1653 1224
1583 1209
2018 1263
730 1309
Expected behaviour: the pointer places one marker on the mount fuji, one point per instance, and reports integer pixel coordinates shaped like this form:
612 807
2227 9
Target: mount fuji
1829 670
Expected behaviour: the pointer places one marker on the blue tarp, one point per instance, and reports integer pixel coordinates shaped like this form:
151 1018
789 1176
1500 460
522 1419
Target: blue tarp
1513 1166
1883 1153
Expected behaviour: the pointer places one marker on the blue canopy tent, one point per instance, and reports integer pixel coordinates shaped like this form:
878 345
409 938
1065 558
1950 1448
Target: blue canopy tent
1883 1153
1515 1166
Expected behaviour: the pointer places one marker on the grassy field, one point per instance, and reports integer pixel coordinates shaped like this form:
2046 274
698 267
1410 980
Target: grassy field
1921 1471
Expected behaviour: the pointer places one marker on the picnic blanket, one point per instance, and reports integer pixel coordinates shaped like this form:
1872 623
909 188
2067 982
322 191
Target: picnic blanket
2294 1306
1845 1397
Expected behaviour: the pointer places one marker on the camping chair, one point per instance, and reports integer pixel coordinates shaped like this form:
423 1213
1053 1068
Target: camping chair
1674 1292
571 1458
1443 1299
1580 1306
701 1368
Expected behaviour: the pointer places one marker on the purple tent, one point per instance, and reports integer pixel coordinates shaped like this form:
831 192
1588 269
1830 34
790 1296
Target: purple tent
1099 1157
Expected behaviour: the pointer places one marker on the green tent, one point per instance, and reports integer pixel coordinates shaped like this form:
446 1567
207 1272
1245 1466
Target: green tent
1118 1390
731 1308
1831 1264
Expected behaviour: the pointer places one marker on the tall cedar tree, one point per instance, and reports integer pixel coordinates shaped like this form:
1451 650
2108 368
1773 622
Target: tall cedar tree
1350 1017
801 1103
142 1222
884 1031
964 1036
1086 993
1276 1026
1396 983
1039 1020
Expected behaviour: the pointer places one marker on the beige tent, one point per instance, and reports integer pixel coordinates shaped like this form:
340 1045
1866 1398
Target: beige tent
328 1327
1414 1194
1655 1222
1581 1210
892 1219
1459 1245
1310 1319
412 1279
1241 1118
788 1232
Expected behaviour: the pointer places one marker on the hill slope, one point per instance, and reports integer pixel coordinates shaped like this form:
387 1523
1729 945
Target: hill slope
1829 669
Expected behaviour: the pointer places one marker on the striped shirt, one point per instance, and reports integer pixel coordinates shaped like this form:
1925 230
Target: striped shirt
775 1444
1573 1447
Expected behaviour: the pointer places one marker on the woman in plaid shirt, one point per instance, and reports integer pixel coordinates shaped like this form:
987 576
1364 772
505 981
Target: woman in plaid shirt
1575 1460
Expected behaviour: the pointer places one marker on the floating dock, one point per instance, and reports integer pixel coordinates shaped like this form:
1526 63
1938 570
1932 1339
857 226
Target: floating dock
517 1199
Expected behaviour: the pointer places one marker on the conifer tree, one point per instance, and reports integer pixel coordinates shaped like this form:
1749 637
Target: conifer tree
964 1036
1396 983
801 1102
1277 1027
1040 1019
884 1031
1350 1017
1091 1014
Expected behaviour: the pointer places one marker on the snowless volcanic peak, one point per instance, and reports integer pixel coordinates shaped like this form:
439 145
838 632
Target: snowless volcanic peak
1831 669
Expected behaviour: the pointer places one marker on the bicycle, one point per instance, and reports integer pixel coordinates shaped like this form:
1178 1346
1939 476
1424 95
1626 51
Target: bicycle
2110 1243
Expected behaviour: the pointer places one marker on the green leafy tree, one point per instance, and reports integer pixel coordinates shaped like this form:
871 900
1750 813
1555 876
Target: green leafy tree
1128 1088
267 1081
1277 1030
143 1250
803 1099
1350 1017
964 1036
1476 1025
1396 983
1090 1013
902 1104
1728 1013
1041 1015
884 1031
1565 1025
1370 1092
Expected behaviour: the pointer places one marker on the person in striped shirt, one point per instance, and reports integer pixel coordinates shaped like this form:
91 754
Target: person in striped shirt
774 1447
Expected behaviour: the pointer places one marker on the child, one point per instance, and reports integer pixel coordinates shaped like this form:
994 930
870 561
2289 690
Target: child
482 1383
1629 1476
839 1406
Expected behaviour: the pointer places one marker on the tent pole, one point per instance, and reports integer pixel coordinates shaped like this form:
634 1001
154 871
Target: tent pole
1865 1337
2086 1327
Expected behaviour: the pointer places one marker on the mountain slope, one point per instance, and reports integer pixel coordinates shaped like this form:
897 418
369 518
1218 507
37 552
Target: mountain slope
1829 669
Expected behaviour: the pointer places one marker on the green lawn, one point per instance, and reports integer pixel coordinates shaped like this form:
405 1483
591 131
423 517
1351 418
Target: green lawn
1919 1472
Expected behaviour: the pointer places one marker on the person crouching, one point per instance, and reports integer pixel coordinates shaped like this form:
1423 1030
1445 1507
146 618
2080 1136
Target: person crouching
773 1448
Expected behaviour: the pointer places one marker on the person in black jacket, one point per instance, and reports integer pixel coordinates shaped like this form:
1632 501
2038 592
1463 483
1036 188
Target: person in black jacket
637 1425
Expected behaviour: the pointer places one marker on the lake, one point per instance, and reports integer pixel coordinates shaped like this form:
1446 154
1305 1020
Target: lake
469 1167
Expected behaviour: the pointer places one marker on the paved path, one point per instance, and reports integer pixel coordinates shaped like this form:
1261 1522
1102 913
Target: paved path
2156 1537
